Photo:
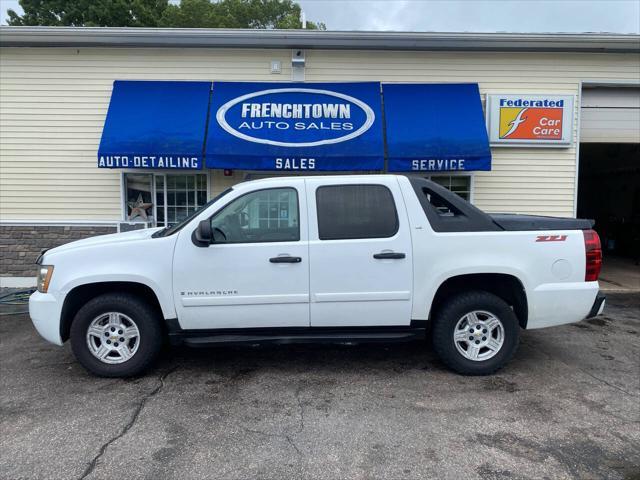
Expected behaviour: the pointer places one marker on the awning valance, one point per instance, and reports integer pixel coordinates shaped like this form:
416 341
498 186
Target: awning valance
155 125
435 127
295 126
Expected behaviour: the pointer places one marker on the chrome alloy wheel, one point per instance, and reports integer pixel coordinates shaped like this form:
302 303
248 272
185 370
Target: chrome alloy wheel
113 337
478 335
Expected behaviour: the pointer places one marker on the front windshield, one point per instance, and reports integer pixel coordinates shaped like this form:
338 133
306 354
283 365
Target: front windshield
165 232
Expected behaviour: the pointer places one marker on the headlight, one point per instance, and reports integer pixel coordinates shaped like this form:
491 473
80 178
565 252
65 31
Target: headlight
44 277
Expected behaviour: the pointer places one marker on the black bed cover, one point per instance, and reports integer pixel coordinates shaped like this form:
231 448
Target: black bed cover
513 222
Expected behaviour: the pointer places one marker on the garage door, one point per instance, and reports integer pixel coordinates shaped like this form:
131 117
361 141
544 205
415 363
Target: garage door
610 115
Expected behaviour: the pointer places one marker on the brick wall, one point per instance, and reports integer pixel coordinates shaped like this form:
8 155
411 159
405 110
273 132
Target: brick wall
21 245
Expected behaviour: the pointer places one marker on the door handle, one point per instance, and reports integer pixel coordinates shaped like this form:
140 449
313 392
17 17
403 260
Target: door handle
285 259
388 255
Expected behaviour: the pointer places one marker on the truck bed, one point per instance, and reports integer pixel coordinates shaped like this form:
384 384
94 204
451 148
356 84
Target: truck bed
447 212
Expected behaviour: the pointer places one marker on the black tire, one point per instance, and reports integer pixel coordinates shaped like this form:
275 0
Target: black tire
146 319
444 325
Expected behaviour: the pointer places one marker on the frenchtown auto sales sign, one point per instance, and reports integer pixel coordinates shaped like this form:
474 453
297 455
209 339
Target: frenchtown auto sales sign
277 126
333 115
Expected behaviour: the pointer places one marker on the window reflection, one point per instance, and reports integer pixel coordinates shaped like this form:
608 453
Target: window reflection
138 198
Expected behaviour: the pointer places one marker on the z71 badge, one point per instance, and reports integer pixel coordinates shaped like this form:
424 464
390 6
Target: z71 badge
551 238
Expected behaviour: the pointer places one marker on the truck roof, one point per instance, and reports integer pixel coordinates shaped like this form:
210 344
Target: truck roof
349 176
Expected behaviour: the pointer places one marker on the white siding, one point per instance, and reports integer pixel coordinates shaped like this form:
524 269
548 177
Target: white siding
53 102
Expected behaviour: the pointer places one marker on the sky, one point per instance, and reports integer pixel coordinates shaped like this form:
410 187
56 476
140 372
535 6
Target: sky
532 16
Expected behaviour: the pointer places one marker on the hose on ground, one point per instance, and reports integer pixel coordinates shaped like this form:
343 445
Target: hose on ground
15 298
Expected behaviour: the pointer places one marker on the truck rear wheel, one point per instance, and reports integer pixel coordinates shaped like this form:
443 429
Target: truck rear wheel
475 333
116 335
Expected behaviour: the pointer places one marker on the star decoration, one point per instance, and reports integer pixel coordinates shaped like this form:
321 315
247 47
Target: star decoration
139 208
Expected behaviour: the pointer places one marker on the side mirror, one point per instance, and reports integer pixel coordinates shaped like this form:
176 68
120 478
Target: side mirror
203 235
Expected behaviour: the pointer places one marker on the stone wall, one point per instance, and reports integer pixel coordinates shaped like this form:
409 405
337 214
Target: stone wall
21 245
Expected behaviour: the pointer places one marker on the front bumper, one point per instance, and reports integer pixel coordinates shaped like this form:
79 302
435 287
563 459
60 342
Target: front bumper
45 310
598 305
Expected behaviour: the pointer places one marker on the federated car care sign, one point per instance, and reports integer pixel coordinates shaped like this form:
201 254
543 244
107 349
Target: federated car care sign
295 126
530 120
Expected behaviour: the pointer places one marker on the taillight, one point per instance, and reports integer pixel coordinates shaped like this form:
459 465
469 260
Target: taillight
593 253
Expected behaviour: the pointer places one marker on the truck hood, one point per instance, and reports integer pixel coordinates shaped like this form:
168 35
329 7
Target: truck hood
100 240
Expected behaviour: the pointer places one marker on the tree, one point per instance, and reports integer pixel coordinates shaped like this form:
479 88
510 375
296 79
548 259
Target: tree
90 13
160 13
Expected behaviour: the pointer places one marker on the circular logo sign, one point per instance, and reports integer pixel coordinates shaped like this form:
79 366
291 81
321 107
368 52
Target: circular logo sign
295 117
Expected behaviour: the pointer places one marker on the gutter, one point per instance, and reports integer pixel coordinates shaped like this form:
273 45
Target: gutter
314 39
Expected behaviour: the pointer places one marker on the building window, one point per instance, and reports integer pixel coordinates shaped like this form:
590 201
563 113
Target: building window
459 184
138 197
163 199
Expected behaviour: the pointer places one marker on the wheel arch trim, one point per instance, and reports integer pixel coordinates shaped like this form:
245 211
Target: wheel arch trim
78 294
505 285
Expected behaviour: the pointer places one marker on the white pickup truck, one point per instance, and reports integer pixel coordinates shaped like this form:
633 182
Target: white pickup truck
321 259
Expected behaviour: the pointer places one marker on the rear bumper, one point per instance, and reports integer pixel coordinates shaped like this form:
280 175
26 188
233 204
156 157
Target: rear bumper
598 305
554 304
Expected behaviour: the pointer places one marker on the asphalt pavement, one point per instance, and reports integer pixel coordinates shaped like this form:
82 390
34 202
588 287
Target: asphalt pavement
567 406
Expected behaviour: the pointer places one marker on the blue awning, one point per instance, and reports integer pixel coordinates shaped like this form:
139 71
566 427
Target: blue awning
295 126
435 127
155 125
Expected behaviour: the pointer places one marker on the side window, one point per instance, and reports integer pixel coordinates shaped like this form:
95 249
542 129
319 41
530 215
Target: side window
355 211
264 216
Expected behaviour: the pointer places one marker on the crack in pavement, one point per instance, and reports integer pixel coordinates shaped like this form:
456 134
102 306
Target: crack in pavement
297 395
275 435
620 389
286 436
580 369
134 418
292 443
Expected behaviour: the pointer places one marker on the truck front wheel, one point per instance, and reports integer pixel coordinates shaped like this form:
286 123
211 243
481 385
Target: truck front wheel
475 333
116 335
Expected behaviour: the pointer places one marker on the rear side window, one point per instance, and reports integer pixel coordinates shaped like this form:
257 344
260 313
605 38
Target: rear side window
444 207
355 211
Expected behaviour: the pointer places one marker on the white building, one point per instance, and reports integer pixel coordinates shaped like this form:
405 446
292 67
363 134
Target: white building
56 85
